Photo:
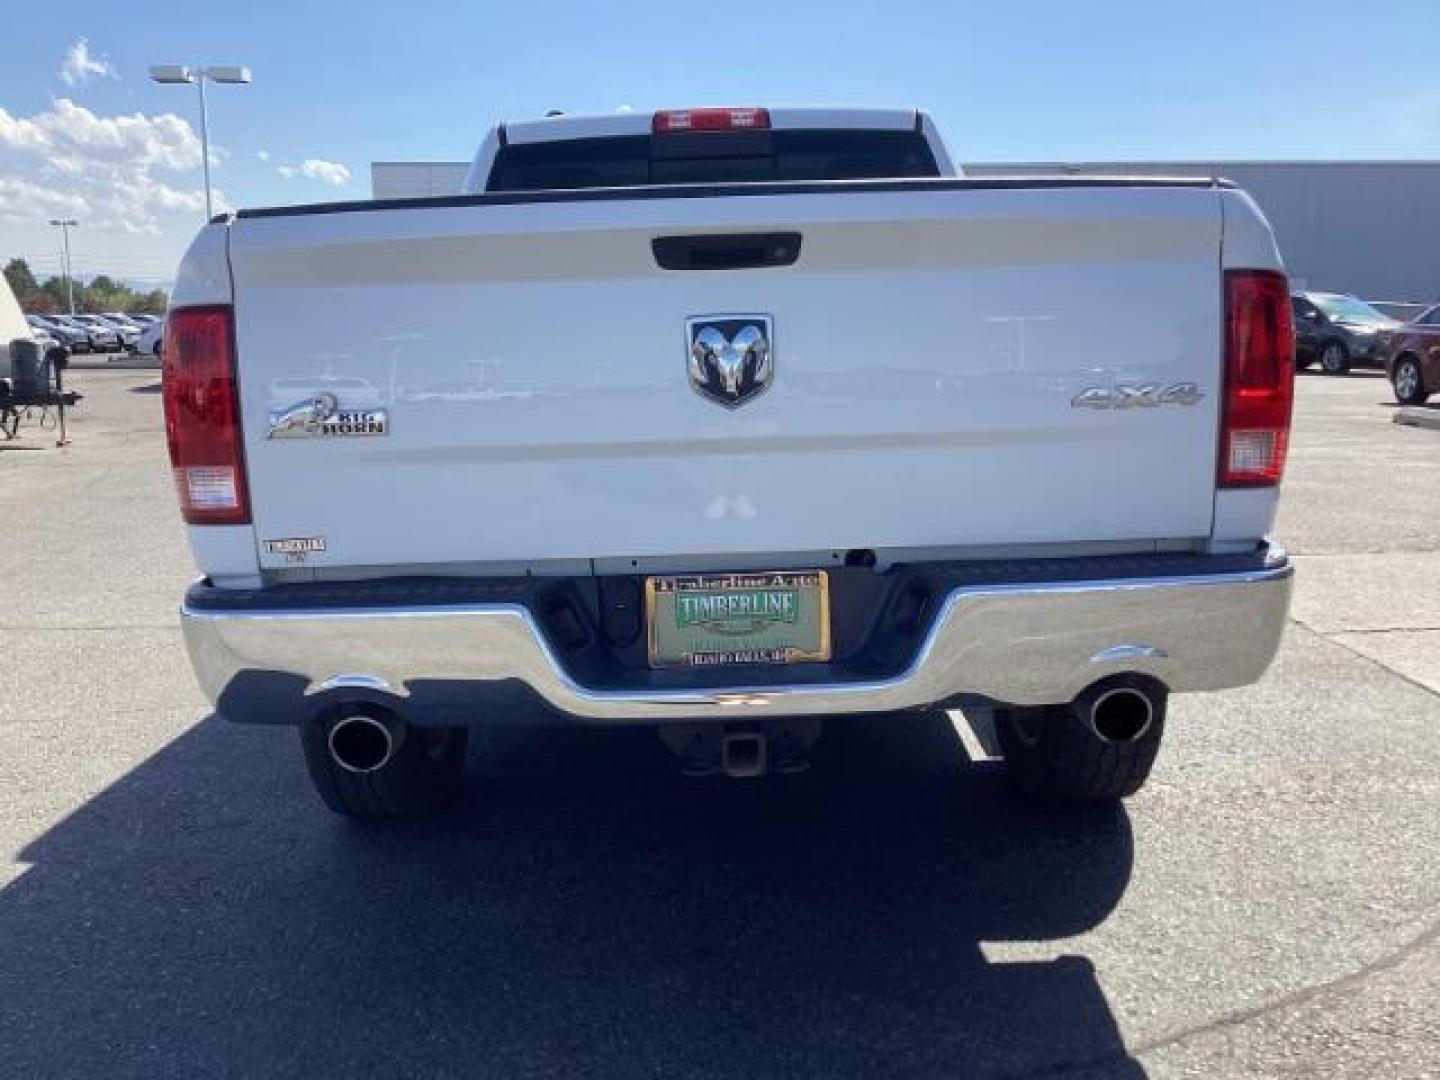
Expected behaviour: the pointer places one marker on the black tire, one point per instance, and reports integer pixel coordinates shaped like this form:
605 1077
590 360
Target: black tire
1409 384
426 772
1334 357
159 344
1052 755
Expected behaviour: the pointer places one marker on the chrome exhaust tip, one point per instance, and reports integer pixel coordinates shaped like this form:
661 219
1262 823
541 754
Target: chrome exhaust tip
1121 714
363 743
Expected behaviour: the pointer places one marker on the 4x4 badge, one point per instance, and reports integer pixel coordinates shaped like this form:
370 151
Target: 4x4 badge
1137 395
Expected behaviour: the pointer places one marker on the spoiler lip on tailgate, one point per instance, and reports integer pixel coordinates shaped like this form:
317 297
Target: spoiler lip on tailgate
720 191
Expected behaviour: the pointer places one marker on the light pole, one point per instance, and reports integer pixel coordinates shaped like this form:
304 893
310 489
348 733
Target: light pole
199 74
66 224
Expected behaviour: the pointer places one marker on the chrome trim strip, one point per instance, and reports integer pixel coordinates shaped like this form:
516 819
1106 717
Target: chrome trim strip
1024 644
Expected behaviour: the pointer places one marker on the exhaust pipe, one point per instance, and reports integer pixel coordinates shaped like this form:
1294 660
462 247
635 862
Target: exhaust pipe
1119 714
365 742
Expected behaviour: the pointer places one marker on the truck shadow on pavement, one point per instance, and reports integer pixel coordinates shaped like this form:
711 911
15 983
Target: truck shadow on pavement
589 913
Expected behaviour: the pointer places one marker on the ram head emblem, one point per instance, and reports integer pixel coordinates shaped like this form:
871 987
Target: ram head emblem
731 357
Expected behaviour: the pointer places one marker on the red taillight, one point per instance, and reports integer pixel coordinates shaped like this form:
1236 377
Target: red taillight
672 120
202 416
1259 378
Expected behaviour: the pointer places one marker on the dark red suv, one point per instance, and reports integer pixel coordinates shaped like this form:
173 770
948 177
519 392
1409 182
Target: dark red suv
1413 362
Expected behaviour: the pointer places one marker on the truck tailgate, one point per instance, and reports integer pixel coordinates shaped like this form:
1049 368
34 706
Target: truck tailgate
928 347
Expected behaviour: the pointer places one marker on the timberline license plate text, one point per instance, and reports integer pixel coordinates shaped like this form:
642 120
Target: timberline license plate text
719 620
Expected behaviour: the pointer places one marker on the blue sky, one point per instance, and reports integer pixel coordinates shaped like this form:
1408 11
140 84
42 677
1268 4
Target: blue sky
83 133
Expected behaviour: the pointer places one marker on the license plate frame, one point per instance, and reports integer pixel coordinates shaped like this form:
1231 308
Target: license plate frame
808 640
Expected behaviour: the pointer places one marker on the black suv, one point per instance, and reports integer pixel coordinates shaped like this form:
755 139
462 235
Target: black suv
1338 331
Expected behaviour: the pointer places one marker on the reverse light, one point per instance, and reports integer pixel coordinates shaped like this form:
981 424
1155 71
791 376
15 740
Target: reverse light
673 120
1259 379
202 416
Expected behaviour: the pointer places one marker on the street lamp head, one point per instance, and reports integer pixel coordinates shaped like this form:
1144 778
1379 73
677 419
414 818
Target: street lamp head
227 73
199 76
171 73
65 221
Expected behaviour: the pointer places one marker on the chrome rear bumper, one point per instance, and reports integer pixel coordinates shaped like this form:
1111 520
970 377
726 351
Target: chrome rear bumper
1023 644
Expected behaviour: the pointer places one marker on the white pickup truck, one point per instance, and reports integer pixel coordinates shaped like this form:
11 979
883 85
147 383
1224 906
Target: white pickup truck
723 421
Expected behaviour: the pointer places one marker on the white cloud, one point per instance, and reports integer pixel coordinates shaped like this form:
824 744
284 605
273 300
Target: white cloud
332 172
114 166
329 172
71 135
79 65
24 203
263 155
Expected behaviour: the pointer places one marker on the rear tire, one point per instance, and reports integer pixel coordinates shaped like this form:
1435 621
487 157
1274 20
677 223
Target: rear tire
1334 358
1408 382
1052 755
426 772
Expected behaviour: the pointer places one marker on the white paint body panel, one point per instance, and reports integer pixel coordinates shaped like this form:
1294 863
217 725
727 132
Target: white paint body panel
204 274
226 554
927 348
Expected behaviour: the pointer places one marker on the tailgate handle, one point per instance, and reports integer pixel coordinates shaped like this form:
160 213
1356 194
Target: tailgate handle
726 251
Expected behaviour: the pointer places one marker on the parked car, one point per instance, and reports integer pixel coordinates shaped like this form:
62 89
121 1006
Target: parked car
1413 363
123 320
132 319
74 339
99 337
126 333
1338 331
769 509
151 339
129 332
1404 310
69 322
104 336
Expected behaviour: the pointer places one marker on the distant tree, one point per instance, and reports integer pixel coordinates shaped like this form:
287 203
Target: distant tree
101 293
55 289
22 281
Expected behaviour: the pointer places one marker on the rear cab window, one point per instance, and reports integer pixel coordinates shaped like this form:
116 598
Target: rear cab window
713 157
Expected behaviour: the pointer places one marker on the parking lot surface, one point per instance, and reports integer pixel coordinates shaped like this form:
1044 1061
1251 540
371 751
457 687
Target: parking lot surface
174 901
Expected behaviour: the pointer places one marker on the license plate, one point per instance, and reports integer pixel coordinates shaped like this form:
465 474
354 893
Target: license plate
719 620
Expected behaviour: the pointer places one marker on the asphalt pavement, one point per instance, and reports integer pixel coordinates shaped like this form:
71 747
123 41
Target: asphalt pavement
174 901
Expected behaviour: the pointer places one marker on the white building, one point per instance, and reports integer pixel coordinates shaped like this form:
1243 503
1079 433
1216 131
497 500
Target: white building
1366 227
413 179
